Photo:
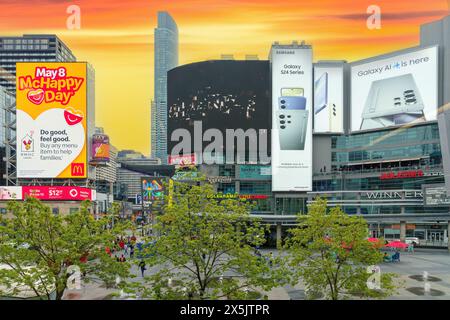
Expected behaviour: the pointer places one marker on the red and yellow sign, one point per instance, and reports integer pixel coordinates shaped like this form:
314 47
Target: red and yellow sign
51 120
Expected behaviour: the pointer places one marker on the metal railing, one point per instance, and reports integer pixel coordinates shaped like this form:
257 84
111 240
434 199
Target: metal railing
428 168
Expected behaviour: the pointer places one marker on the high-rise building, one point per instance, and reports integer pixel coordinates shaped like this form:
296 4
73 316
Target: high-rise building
7 101
153 128
166 58
39 47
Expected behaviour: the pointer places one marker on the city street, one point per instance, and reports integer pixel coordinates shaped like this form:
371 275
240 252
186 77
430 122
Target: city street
410 270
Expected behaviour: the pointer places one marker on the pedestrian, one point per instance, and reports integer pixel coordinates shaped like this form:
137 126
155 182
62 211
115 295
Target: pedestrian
122 258
271 258
131 251
125 248
142 266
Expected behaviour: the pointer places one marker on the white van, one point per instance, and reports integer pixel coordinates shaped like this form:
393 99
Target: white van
412 240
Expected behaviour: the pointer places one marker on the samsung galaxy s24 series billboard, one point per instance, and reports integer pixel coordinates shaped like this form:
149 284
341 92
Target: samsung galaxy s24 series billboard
292 90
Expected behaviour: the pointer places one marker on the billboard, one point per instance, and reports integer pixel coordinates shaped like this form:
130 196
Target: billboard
100 148
153 190
292 92
329 99
51 120
396 90
10 193
67 193
61 193
208 98
183 161
435 195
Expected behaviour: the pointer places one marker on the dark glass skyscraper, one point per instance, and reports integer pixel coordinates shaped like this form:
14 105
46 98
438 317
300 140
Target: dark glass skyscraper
166 58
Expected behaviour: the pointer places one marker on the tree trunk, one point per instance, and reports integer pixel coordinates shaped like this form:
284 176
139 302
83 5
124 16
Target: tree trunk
59 294
334 293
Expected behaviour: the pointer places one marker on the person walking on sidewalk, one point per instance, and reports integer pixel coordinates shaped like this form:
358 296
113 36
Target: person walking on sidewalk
142 266
131 251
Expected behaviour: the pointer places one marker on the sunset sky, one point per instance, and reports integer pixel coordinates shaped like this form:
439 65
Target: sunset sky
116 37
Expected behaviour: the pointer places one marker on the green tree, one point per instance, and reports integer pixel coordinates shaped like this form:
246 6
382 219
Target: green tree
38 248
330 252
201 240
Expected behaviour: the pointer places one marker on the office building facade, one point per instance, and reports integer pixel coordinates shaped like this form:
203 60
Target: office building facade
29 48
166 58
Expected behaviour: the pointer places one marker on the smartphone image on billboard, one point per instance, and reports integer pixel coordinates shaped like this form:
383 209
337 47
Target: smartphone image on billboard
292 103
292 125
292 92
393 101
321 93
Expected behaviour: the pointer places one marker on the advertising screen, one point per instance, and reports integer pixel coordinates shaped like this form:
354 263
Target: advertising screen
153 192
61 193
10 193
212 97
51 120
395 91
182 161
435 195
100 148
292 92
328 99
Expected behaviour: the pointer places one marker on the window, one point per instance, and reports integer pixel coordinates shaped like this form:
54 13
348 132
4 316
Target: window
73 210
290 206
226 188
255 188
55 210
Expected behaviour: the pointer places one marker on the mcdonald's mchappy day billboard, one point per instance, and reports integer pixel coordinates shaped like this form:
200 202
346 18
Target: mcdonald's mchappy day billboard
51 120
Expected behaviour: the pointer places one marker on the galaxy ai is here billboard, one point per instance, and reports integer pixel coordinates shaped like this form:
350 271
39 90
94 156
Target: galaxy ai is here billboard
292 94
51 120
395 91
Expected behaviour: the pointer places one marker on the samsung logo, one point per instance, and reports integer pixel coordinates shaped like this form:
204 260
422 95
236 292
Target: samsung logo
285 52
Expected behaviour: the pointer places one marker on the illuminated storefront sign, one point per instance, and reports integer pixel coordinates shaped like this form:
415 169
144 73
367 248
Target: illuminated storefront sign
408 174
402 175
238 196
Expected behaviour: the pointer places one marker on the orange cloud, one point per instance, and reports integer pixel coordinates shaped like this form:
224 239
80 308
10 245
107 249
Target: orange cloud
117 39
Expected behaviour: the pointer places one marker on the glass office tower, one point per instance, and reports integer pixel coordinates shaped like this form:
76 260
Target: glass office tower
166 58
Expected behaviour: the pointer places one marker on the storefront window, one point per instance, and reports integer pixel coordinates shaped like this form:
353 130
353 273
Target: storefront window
226 188
255 188
290 206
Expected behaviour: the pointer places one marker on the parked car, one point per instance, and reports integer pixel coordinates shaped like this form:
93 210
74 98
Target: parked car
412 240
